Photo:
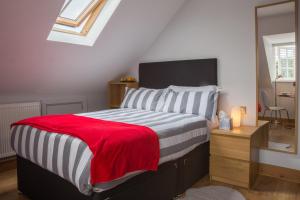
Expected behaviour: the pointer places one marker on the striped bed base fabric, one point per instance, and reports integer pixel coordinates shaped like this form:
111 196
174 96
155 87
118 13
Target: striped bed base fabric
70 158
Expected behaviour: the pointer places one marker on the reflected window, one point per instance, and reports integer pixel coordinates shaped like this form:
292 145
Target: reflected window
284 55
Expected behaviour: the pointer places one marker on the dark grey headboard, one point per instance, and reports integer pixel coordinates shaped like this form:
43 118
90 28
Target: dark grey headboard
183 73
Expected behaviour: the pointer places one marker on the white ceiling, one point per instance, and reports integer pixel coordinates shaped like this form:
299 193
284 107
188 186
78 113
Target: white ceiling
278 9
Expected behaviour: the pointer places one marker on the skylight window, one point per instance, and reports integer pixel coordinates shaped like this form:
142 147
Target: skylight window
78 16
74 12
81 21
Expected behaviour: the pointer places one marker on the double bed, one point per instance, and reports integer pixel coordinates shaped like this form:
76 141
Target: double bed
52 166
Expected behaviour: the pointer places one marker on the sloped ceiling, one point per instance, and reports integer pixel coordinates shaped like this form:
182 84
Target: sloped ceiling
31 64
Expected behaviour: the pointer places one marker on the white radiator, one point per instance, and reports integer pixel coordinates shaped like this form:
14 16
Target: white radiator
10 113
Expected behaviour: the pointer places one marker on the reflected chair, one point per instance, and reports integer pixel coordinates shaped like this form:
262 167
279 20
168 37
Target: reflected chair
272 109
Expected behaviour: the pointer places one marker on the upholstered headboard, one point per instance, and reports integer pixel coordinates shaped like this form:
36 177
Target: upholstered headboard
183 73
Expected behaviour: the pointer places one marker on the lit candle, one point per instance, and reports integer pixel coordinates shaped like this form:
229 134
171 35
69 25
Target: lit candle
236 116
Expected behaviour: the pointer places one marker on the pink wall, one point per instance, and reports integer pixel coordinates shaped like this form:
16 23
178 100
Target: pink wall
32 67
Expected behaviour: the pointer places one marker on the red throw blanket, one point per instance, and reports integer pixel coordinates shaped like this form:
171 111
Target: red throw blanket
118 148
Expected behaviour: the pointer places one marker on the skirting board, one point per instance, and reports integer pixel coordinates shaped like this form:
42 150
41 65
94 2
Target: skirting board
282 173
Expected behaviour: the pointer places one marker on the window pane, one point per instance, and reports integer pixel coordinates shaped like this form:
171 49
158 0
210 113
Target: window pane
291 73
284 57
283 63
282 53
283 73
74 9
290 53
291 63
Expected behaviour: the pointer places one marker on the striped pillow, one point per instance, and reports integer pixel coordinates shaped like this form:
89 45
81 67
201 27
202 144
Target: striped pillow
202 103
144 98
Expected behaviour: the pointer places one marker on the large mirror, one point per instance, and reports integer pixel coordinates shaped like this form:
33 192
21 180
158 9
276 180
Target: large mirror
276 32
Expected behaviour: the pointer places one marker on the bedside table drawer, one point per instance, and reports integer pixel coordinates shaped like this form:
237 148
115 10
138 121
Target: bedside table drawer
230 171
230 147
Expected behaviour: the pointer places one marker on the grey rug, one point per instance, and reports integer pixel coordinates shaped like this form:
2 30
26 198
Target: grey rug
213 193
279 146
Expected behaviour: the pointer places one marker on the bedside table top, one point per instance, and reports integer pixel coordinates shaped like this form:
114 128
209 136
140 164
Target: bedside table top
243 131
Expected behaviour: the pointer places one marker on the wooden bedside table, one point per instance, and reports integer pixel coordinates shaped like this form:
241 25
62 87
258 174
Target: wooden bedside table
234 154
117 92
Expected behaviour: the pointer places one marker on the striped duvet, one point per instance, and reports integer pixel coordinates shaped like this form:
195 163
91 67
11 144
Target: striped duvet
70 158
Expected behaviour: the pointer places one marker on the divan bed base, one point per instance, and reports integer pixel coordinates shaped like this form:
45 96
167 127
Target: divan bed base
171 179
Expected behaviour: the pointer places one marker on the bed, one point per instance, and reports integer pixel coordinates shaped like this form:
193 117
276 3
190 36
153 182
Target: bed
181 163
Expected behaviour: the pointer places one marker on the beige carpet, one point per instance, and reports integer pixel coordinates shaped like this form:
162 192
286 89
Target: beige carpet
213 193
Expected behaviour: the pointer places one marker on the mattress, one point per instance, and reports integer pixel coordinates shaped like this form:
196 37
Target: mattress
70 158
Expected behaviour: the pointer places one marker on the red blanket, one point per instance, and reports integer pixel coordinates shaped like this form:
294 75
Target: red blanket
118 148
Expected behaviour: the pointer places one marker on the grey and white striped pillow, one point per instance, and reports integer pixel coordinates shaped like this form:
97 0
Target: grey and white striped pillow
144 98
202 103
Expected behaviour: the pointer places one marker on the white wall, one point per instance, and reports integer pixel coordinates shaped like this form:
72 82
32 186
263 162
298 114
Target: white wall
226 30
215 29
32 67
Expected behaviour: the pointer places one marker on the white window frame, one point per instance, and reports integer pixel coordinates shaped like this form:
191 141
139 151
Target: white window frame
278 64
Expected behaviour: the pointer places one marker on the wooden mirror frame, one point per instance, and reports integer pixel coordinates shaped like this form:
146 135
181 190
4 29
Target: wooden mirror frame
296 70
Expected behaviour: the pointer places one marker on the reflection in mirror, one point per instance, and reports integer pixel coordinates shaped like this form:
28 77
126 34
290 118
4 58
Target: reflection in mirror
276 71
